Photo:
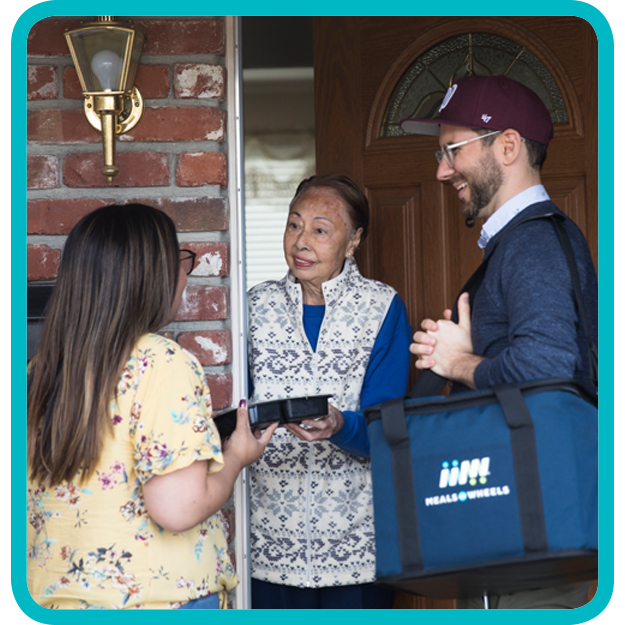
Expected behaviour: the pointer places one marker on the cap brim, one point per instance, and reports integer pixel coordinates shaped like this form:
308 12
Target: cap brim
421 126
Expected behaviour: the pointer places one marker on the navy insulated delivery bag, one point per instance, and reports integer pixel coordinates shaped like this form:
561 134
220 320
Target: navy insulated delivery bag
473 493
489 491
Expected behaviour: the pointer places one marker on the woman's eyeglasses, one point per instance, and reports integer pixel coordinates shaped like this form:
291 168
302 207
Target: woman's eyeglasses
187 260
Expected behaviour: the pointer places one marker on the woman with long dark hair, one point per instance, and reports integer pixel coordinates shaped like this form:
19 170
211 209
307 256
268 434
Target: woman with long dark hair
126 471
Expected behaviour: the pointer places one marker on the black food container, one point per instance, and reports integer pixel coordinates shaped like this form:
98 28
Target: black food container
265 413
297 409
226 422
260 415
292 410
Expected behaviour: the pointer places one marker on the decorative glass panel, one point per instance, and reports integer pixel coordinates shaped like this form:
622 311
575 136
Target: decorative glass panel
422 88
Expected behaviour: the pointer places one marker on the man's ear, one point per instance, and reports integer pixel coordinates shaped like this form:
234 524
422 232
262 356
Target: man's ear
511 144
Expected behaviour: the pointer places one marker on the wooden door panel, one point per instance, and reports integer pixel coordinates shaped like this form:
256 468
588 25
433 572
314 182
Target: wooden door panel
568 194
466 255
405 601
416 162
336 56
419 241
419 244
395 250
403 242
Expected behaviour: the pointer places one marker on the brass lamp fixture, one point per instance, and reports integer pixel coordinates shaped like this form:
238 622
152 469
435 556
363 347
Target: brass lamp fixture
106 56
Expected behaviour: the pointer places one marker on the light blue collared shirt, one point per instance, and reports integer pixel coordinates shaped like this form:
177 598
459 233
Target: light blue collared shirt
510 209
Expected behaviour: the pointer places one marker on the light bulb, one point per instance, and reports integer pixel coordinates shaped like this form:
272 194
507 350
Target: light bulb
107 66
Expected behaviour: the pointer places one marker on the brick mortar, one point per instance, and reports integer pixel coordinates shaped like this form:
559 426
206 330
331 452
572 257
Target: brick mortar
57 241
146 59
66 104
172 150
216 369
120 194
210 236
172 147
197 326
110 192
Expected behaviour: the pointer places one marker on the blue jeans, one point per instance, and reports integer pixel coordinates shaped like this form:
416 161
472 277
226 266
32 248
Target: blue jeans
203 603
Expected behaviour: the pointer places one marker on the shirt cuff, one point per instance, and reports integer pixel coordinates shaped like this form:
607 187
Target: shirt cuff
351 437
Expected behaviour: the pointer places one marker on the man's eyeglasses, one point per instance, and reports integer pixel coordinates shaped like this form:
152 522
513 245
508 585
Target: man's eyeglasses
187 260
446 151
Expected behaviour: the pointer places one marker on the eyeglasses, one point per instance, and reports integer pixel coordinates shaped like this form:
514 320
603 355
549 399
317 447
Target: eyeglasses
446 151
187 260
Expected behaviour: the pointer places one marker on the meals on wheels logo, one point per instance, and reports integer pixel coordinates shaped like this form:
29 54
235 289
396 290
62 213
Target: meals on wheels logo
465 473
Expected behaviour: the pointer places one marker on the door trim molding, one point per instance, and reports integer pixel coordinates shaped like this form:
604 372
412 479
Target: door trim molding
451 27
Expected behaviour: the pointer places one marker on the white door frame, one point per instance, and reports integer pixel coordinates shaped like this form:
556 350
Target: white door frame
238 302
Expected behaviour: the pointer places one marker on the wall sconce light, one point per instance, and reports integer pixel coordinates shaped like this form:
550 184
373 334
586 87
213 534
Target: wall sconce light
106 56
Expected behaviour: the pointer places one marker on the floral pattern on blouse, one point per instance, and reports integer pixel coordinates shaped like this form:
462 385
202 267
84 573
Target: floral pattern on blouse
91 543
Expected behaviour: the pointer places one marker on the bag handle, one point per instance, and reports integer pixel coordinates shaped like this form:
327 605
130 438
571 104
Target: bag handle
396 433
429 383
525 463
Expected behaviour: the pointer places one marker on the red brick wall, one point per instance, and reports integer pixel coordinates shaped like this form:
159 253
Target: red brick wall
175 159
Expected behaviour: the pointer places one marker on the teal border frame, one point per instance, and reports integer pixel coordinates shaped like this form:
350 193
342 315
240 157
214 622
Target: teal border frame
606 300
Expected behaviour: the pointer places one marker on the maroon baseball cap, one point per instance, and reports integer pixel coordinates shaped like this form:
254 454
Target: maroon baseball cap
494 102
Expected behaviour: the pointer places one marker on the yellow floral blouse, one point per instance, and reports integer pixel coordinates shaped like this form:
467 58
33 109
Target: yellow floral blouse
92 544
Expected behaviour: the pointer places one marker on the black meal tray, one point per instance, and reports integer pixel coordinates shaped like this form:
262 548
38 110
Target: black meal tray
283 411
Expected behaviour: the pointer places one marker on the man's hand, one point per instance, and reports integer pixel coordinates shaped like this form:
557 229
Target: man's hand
446 347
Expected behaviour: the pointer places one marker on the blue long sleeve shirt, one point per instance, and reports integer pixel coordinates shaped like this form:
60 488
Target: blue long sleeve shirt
386 376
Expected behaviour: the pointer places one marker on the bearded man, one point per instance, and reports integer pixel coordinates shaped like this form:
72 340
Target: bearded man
523 324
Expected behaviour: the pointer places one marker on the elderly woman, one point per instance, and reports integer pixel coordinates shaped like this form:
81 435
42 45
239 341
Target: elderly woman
323 329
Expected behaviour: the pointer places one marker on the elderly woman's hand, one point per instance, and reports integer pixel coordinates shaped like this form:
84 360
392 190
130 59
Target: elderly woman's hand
318 429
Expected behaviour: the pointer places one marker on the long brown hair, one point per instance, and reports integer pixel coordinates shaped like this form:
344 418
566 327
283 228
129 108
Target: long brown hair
116 281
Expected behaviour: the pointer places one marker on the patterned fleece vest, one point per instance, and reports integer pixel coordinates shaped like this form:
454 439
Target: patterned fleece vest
311 503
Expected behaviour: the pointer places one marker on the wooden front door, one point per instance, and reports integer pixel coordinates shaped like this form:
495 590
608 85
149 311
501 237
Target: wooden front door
419 242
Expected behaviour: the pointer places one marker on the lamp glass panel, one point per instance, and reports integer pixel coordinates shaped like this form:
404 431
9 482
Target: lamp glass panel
135 57
100 55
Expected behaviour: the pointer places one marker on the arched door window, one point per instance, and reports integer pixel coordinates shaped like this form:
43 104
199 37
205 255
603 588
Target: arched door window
422 88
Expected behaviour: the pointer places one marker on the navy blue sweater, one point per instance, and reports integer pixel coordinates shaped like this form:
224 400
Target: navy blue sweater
523 318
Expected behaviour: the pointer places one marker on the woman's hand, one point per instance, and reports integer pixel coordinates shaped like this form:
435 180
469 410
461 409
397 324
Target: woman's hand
243 444
180 500
318 429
